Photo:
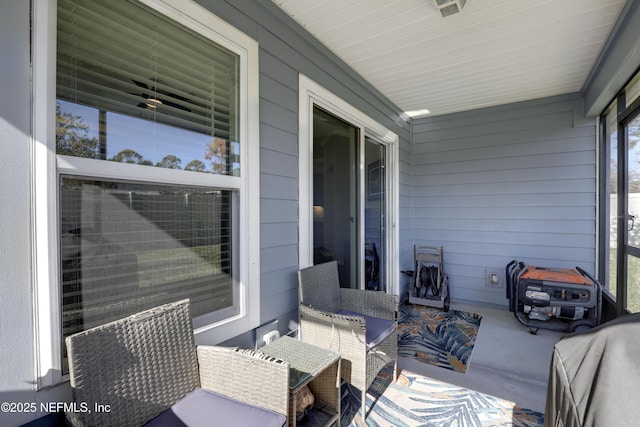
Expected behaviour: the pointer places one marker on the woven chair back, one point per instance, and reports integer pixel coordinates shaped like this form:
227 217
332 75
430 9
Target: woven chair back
320 286
139 365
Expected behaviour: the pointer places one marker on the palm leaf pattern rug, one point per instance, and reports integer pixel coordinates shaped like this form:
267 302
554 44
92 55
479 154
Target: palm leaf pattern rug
431 335
414 400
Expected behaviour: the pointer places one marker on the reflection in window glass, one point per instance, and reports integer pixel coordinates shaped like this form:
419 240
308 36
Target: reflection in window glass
633 174
375 155
135 87
335 195
633 269
633 284
126 247
612 142
142 142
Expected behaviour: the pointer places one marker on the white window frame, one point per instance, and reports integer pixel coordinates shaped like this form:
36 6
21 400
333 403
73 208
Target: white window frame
312 94
47 166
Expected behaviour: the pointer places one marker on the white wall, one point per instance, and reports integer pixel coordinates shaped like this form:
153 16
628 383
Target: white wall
16 314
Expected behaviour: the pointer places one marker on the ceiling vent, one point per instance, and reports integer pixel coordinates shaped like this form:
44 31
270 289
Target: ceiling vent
449 7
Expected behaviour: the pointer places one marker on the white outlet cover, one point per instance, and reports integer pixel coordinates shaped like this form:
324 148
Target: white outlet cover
263 330
490 272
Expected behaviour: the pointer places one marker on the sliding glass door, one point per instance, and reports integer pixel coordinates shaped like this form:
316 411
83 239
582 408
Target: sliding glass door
375 208
349 201
335 194
349 192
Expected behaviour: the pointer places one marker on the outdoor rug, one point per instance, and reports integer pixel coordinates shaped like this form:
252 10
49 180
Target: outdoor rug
431 335
414 400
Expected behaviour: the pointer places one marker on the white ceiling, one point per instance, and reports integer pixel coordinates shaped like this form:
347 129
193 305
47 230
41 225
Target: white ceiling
493 52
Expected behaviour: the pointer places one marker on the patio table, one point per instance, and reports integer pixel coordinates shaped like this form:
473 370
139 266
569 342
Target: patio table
313 366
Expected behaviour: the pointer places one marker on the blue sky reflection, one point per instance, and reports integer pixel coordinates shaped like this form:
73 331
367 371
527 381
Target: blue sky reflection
152 140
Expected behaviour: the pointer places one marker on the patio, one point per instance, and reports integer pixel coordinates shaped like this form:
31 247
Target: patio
522 156
507 361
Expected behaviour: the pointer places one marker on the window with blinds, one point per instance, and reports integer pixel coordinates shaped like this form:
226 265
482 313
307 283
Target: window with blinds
135 87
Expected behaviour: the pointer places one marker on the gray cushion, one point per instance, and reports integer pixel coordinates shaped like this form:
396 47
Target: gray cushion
377 329
206 408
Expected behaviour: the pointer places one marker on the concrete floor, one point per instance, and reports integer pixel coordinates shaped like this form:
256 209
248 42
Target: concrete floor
507 361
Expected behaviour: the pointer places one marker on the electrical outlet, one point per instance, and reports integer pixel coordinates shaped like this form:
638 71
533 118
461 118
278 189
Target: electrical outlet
494 277
265 331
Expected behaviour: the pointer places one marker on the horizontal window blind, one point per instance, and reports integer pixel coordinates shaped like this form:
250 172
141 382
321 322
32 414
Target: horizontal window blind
123 57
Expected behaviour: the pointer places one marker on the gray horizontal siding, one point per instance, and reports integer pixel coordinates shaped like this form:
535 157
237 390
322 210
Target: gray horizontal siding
286 50
503 183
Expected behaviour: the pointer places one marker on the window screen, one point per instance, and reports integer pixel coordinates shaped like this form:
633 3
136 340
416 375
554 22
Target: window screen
126 247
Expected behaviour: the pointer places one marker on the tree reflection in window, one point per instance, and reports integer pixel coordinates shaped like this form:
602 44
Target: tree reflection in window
76 137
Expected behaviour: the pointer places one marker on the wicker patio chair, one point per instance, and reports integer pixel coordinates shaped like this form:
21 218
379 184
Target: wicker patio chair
359 324
139 369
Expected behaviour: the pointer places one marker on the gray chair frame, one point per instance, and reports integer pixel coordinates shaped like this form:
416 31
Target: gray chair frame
320 298
143 364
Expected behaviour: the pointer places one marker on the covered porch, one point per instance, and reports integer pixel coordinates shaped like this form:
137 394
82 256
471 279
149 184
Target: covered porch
536 163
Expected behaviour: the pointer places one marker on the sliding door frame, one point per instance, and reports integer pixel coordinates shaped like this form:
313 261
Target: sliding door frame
312 94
